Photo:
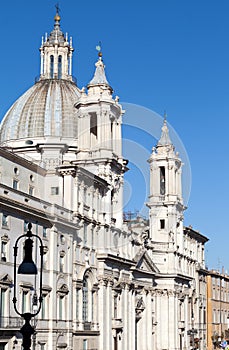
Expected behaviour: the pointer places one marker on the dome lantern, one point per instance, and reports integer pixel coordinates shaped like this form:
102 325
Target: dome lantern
56 54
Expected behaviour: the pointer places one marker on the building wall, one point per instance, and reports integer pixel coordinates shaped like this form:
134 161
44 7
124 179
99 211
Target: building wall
218 307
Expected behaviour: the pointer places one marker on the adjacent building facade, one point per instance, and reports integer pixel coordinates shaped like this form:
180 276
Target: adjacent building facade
107 283
218 308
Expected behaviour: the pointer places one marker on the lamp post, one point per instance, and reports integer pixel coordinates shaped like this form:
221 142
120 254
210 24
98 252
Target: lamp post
28 267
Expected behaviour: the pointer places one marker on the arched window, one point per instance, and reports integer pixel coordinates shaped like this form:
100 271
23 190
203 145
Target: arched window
85 300
59 67
162 180
51 66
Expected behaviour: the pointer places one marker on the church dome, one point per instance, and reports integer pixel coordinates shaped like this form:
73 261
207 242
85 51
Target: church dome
46 109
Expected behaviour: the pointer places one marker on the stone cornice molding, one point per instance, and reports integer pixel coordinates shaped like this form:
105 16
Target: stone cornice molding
5 153
165 293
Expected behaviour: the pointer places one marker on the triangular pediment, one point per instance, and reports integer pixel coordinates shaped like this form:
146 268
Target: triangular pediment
5 279
145 263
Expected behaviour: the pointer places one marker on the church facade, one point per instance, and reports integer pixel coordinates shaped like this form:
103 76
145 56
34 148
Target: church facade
107 283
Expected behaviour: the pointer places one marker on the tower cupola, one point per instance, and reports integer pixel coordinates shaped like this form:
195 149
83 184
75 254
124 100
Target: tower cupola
165 145
56 53
99 83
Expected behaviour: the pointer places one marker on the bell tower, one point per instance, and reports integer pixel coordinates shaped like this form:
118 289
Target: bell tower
165 201
100 140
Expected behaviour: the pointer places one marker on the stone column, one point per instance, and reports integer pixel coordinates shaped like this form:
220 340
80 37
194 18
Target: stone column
76 195
68 185
109 337
132 315
81 197
84 131
125 308
70 63
80 309
162 334
149 321
42 63
102 306
173 322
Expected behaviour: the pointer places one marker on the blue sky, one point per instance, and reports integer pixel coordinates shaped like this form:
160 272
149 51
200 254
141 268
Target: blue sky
160 55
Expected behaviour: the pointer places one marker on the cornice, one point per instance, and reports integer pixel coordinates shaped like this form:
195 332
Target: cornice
11 156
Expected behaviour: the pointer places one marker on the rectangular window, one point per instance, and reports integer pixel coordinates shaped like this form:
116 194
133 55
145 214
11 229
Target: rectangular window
24 297
51 66
5 220
93 124
44 231
204 316
59 67
54 190
85 301
61 263
3 251
162 224
15 184
85 234
25 225
31 189
2 302
43 308
61 307
85 344
45 261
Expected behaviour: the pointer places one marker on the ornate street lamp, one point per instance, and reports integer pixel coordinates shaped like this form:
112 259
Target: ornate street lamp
28 267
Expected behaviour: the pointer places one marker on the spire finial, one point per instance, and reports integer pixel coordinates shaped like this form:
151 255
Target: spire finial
165 139
57 16
99 49
57 8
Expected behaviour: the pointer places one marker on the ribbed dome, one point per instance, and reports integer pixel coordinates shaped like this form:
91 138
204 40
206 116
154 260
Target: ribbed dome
46 109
